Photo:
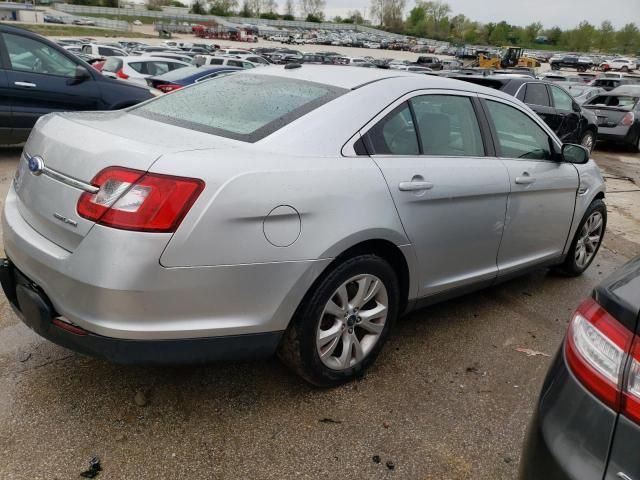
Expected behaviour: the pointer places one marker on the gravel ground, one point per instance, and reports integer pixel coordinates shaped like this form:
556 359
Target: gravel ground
449 398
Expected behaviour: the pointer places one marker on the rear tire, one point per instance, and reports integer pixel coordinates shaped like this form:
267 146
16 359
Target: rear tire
327 342
624 69
584 246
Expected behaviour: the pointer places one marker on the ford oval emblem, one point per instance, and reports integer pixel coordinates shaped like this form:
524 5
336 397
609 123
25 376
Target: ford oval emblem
36 165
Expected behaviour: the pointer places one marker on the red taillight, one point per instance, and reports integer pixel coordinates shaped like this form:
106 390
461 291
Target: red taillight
121 74
628 119
135 200
596 350
169 87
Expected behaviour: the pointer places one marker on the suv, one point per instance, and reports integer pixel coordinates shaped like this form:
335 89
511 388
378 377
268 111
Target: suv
551 102
433 63
582 64
40 77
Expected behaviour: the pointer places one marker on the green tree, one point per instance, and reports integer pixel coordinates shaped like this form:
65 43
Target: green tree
628 38
606 36
317 18
246 10
197 7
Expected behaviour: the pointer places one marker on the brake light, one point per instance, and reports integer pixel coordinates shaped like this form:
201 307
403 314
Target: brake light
121 74
169 87
134 200
596 348
628 119
631 395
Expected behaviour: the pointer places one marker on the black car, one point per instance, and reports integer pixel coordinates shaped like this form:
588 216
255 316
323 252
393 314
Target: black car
553 104
587 422
38 76
433 63
570 61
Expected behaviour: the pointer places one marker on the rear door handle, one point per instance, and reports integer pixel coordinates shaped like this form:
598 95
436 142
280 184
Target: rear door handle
414 186
25 84
525 179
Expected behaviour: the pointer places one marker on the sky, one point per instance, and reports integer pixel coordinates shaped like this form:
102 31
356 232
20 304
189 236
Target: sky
563 13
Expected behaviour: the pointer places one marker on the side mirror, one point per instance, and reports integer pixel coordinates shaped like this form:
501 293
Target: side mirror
575 153
577 108
81 74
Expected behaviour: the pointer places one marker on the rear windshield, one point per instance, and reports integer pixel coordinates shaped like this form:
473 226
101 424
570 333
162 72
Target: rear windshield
622 102
112 64
239 106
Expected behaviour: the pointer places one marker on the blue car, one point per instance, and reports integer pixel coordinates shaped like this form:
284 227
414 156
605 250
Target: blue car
183 77
38 77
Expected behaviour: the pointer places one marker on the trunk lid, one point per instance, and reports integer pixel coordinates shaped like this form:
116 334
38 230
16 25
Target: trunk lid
79 145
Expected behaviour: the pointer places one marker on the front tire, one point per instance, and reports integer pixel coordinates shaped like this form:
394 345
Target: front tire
588 140
587 240
340 327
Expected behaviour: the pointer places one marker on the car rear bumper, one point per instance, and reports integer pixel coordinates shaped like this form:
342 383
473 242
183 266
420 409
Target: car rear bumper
619 134
570 433
35 309
113 286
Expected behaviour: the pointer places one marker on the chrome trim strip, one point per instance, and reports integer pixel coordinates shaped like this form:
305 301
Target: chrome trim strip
62 178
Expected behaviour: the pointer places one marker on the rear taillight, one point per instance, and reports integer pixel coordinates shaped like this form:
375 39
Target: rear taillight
605 358
631 394
628 119
121 74
596 349
169 87
135 200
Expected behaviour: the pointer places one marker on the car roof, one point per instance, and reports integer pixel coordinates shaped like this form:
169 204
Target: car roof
352 78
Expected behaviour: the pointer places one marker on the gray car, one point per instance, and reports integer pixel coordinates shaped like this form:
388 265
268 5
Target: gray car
618 113
290 209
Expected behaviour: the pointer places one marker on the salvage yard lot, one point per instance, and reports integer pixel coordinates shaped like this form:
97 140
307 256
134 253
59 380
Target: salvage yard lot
449 398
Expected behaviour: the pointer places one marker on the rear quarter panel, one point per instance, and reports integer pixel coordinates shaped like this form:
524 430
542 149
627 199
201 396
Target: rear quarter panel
339 202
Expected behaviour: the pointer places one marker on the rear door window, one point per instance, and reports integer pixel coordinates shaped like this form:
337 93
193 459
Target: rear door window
537 94
395 134
138 67
447 126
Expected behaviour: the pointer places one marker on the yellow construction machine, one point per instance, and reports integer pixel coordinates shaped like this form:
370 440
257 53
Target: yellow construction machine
509 57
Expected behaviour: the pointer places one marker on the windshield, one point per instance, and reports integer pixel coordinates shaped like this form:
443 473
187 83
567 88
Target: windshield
239 106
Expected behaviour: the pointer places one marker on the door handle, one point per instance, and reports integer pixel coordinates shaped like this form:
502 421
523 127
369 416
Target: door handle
414 186
525 179
25 84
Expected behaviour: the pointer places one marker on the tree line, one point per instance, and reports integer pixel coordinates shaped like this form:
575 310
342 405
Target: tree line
427 19
434 19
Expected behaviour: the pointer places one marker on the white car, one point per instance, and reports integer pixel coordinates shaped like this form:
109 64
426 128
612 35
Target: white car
73 48
97 50
232 51
257 60
230 61
621 64
137 23
414 69
136 69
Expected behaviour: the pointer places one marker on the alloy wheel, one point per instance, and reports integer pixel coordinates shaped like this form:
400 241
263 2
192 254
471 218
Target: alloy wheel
589 240
352 322
587 141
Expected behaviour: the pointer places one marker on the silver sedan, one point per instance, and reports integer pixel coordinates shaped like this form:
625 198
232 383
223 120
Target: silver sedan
297 210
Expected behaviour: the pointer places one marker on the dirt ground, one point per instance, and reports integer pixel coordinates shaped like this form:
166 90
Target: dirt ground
449 398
